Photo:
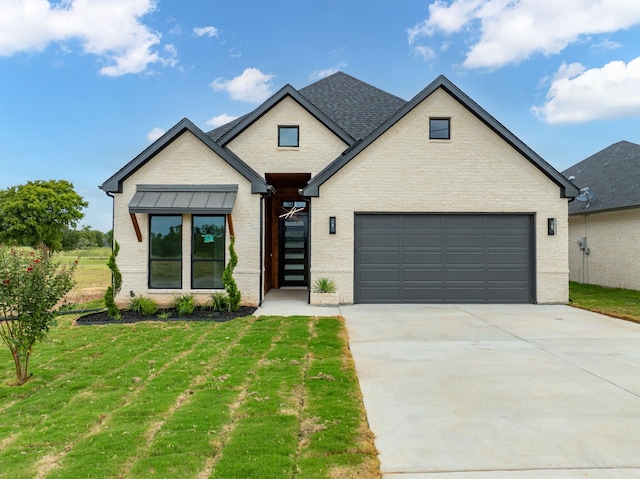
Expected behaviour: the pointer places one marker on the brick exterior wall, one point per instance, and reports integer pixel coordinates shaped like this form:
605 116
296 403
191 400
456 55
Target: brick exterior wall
258 144
404 171
614 249
187 161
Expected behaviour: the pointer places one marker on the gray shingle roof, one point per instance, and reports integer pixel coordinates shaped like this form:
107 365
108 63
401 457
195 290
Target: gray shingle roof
613 174
355 106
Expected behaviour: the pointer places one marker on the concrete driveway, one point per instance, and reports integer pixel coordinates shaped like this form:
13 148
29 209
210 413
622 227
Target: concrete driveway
498 391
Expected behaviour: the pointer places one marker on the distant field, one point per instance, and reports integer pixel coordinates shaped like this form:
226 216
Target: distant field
92 275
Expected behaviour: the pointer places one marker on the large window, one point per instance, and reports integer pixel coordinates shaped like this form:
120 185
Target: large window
288 136
439 128
165 257
208 252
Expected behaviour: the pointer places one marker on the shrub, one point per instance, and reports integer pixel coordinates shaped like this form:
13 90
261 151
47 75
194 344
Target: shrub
185 304
219 301
116 284
324 285
227 278
143 305
31 284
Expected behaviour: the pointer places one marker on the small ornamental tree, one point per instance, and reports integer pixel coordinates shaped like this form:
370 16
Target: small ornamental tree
115 286
31 284
227 278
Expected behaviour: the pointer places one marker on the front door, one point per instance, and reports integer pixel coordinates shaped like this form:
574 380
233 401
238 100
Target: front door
294 250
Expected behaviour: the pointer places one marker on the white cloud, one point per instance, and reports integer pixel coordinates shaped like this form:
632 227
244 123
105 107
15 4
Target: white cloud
578 95
252 86
154 134
424 52
110 30
511 31
220 120
318 74
206 31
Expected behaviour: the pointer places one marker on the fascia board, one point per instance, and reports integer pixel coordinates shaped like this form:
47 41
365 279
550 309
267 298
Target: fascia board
567 189
114 184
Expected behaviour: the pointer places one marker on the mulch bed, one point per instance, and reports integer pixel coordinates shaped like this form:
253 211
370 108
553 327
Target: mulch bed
200 314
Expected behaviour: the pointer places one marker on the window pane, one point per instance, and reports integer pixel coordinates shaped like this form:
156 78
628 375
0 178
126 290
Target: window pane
208 252
439 129
166 237
287 136
208 237
165 274
207 274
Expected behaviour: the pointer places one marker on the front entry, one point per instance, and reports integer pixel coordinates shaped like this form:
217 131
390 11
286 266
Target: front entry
294 250
286 232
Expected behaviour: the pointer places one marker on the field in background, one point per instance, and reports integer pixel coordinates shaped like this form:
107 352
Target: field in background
92 275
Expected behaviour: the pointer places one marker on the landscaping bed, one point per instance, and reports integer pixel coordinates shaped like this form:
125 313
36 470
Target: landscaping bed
199 314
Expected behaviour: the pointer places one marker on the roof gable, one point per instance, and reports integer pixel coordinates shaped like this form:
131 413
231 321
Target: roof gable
114 184
242 123
567 188
613 174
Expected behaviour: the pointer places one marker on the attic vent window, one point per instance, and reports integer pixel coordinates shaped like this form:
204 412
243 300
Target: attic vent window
439 128
288 136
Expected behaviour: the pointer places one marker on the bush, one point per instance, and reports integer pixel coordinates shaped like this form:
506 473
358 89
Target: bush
185 304
219 301
227 278
31 284
116 284
143 305
324 285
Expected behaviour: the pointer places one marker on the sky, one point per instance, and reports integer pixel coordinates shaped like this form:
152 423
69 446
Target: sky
87 85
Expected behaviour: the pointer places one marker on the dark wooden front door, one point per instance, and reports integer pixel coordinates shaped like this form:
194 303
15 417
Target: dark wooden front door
294 250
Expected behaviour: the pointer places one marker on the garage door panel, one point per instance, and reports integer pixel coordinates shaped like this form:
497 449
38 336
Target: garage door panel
380 241
421 274
465 241
383 257
444 258
421 258
380 275
412 240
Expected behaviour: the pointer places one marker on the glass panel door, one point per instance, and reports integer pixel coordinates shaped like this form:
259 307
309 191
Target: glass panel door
294 234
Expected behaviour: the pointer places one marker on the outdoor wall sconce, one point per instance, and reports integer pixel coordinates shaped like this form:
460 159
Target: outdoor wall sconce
332 225
551 226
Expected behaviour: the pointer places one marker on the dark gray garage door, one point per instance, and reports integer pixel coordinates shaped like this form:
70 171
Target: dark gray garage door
435 258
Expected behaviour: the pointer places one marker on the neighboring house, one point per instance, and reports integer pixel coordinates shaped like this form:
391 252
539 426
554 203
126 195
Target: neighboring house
604 231
430 200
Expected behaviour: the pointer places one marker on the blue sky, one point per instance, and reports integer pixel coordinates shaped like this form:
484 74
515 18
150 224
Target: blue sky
86 85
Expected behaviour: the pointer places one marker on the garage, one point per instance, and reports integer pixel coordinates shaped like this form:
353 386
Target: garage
444 258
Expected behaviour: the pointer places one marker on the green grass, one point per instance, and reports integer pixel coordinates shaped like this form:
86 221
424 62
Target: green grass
616 302
250 398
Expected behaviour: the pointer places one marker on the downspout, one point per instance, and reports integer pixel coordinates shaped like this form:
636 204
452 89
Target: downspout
261 279
308 200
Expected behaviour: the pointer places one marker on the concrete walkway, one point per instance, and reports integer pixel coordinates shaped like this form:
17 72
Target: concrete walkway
498 391
292 302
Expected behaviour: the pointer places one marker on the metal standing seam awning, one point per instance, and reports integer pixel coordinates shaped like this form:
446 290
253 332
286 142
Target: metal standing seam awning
179 199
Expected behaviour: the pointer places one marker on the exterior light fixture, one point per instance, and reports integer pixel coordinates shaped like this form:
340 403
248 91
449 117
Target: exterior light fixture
551 226
332 225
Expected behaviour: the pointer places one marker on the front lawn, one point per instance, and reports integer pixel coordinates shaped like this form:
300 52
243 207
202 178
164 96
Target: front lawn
616 302
263 398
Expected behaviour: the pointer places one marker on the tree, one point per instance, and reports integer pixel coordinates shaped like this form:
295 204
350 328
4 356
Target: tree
31 284
38 212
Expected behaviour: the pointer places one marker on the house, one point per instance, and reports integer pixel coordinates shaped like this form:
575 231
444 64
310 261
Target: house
423 201
604 224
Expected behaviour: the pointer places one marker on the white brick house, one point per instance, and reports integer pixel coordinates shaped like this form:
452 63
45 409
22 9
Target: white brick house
604 231
430 200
